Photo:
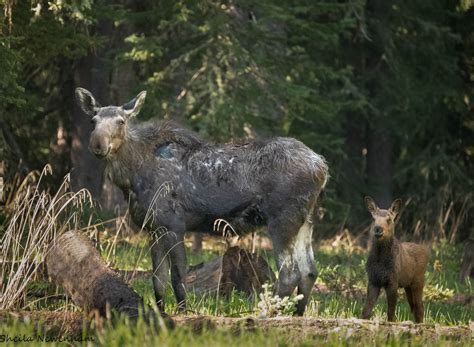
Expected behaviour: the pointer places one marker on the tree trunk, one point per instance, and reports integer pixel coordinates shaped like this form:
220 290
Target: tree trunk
197 242
379 144
352 185
123 80
379 164
92 73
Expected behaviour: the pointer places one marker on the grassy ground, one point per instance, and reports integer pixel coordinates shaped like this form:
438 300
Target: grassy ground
339 293
341 282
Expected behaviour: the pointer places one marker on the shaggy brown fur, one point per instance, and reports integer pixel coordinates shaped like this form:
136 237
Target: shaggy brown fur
393 264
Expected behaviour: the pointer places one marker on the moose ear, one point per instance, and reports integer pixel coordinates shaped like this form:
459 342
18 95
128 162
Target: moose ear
86 101
371 205
132 108
396 206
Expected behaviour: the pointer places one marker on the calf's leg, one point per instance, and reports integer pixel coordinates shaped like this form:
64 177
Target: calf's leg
373 293
409 294
418 303
392 301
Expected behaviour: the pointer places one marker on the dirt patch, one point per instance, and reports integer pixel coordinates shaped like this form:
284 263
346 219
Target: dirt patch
74 323
304 327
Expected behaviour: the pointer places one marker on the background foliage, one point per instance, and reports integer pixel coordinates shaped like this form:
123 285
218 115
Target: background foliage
383 89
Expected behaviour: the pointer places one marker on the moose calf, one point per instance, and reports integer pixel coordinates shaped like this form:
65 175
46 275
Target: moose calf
393 264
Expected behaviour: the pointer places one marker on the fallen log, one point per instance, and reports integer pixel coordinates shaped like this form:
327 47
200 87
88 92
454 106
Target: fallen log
236 269
75 265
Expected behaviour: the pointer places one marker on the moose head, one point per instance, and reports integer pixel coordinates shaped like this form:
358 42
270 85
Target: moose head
383 224
110 122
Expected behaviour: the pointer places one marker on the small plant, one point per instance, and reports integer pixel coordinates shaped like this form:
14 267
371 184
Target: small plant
437 292
273 306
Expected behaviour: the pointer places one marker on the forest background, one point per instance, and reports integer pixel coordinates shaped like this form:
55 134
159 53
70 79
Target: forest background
383 89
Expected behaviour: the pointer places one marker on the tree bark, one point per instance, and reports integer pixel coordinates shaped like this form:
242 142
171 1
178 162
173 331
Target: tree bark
123 80
93 72
237 269
197 242
379 143
90 73
379 164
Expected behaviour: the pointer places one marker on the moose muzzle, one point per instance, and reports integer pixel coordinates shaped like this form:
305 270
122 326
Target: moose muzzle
378 232
99 144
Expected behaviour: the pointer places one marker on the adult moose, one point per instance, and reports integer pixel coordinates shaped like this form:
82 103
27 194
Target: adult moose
274 182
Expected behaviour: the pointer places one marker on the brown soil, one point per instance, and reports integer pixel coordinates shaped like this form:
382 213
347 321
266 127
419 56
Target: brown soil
72 323
303 327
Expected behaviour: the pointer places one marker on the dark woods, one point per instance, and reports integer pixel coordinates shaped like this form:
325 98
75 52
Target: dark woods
382 89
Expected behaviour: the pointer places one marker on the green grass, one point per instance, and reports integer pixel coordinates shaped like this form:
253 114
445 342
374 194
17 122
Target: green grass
339 271
125 334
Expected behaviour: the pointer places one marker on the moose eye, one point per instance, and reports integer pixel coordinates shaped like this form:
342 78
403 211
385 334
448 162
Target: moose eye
121 122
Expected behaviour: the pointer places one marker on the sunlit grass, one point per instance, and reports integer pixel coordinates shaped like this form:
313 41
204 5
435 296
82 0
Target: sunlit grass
341 294
343 275
125 334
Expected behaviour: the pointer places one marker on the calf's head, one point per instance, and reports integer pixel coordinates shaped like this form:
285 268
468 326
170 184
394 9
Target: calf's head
110 122
383 224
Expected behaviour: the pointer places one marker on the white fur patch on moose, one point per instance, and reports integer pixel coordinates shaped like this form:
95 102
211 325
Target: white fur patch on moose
301 253
303 250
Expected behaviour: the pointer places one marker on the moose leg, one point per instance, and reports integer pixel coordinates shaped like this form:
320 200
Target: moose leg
418 303
392 301
160 263
178 268
373 293
288 273
303 253
409 294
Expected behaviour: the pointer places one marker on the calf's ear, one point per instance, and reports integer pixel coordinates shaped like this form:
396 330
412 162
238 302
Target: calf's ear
371 205
86 101
133 107
396 206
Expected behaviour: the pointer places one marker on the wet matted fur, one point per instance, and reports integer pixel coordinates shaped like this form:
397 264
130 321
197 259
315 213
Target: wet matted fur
177 182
